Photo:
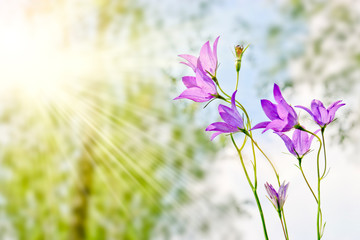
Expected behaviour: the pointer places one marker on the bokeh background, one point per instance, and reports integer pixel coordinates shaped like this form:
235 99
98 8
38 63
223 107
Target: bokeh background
92 146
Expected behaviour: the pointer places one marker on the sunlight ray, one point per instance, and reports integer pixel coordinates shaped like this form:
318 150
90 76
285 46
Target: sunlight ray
180 179
139 131
66 119
123 155
106 117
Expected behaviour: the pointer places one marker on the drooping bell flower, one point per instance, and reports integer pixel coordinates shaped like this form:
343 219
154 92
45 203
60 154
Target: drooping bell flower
207 59
300 143
277 198
199 88
283 117
320 114
233 122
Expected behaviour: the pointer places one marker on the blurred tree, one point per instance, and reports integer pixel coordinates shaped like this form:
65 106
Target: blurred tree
110 155
314 43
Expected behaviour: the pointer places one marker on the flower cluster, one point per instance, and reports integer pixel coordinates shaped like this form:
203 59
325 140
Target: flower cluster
204 87
201 87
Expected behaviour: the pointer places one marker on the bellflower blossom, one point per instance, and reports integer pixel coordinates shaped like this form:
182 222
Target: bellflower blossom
320 114
283 117
233 122
206 62
199 89
300 143
277 198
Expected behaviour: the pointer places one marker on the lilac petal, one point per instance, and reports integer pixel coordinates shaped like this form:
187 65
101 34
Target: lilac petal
288 143
269 109
189 81
195 94
205 83
215 49
333 110
205 57
260 125
214 135
230 116
273 196
222 127
306 109
315 106
277 94
282 194
277 125
300 140
334 104
324 115
192 60
292 120
282 110
233 103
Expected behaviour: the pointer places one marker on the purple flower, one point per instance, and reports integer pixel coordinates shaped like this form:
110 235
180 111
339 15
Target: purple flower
321 115
300 143
207 61
233 122
199 89
277 198
283 117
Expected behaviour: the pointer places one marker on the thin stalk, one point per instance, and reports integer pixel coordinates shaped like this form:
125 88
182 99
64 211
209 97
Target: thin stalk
302 172
323 140
319 214
252 188
237 79
286 230
282 224
217 84
268 159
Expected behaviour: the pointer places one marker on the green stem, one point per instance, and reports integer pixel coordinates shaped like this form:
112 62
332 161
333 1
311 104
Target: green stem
268 159
302 172
319 214
286 230
217 84
282 224
237 79
252 188
323 140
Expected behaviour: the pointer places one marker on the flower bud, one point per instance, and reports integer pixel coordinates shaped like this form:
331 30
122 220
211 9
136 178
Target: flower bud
238 51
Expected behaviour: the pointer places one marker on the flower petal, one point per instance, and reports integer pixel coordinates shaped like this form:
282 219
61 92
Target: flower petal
222 127
333 110
230 116
260 125
288 143
334 104
215 49
269 109
306 109
277 94
204 82
189 81
196 94
192 60
300 140
214 135
206 58
277 125
315 108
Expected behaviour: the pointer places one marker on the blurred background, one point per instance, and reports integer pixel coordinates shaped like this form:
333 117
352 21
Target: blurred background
92 146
